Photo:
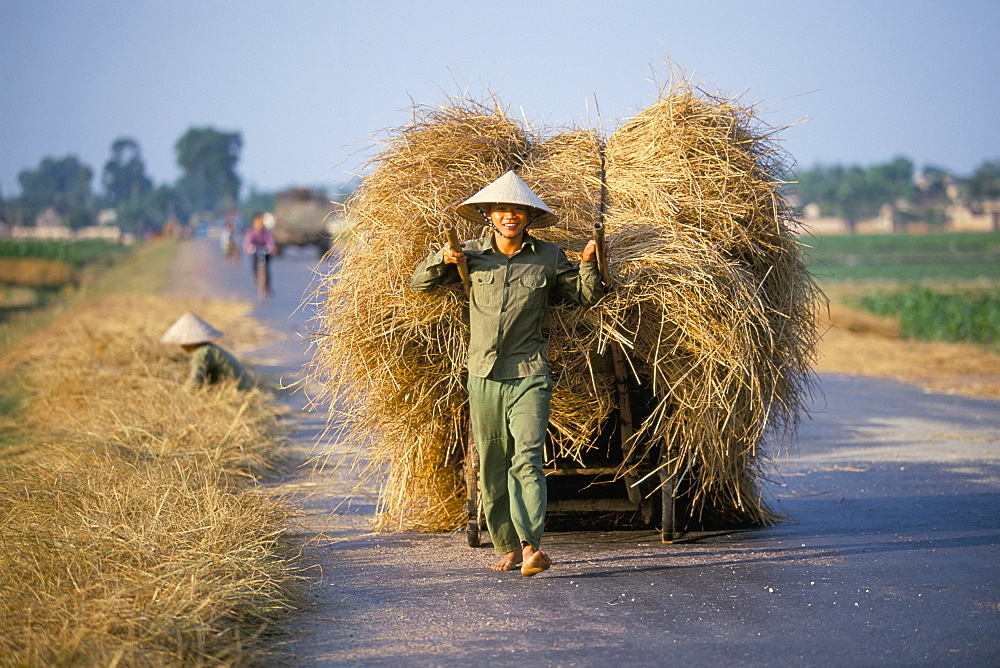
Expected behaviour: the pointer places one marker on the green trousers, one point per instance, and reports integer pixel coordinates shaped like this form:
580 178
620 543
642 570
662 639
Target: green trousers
509 422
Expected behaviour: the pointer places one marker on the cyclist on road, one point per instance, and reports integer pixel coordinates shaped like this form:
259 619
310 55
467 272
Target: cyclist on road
260 242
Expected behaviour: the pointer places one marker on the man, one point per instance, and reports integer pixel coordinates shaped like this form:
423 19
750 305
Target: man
513 278
209 363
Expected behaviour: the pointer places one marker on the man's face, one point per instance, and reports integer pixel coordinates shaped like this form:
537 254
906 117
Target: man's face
510 220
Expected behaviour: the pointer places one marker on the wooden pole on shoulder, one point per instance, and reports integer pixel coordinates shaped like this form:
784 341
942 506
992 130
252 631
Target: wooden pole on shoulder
463 268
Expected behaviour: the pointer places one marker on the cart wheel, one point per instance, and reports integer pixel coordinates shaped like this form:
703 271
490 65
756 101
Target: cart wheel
472 530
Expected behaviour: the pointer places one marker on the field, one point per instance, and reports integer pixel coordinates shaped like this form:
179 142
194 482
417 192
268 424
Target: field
919 308
930 314
131 531
39 263
946 258
37 275
76 253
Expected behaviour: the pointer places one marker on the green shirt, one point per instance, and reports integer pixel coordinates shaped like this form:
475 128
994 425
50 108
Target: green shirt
212 364
509 301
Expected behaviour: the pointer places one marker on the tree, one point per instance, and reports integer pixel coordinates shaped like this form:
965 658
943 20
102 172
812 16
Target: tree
208 160
984 184
893 180
124 176
854 192
63 184
933 185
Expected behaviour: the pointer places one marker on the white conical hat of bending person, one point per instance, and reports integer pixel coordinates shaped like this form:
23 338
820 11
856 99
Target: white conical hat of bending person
190 330
508 189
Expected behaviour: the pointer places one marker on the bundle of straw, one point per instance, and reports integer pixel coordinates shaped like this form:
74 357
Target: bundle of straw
714 295
391 359
128 534
713 308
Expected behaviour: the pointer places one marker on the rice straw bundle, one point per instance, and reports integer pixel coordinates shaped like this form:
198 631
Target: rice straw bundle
566 172
713 308
391 358
714 296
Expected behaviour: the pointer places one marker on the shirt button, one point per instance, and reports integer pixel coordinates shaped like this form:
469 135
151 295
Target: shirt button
500 331
506 285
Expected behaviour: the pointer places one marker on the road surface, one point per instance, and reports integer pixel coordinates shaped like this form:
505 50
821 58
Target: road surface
890 553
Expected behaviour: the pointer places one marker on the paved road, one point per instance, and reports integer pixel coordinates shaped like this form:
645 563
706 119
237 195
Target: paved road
890 555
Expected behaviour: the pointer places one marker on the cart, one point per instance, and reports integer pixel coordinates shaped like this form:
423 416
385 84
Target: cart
647 494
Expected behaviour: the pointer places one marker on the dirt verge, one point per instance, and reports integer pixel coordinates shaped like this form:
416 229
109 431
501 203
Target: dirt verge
862 344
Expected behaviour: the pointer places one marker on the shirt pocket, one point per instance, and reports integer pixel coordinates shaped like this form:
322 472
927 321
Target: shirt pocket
484 288
534 289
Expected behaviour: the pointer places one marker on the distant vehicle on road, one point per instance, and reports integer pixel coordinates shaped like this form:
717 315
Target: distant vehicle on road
304 217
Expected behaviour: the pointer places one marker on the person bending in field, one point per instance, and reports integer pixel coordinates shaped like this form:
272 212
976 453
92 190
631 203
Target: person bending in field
209 363
514 277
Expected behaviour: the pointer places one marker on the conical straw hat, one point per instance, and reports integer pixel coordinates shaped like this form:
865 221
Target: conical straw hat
508 189
190 330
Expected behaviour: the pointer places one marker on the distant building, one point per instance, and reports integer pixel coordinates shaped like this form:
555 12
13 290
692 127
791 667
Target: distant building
49 224
106 232
815 223
960 218
107 217
963 219
49 217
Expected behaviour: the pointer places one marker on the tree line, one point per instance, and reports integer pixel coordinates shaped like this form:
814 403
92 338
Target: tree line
209 184
855 193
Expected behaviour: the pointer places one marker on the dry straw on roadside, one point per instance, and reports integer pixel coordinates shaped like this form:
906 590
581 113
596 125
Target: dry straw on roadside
713 307
127 533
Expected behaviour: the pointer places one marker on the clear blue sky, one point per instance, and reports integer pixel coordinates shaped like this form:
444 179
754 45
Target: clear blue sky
309 83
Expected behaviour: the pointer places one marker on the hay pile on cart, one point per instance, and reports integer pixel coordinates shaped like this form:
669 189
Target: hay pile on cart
677 385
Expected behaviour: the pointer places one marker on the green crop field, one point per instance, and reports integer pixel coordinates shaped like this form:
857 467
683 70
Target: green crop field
934 315
76 253
944 257
943 287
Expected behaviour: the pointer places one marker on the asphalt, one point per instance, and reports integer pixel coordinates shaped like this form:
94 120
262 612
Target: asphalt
889 553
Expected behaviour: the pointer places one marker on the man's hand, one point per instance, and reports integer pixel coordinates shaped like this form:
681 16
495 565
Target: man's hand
450 256
589 253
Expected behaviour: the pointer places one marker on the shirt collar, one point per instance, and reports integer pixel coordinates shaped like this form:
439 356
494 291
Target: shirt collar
528 243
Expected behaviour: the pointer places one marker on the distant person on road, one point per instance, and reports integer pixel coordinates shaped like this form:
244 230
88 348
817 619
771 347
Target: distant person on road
209 363
230 243
514 277
260 240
